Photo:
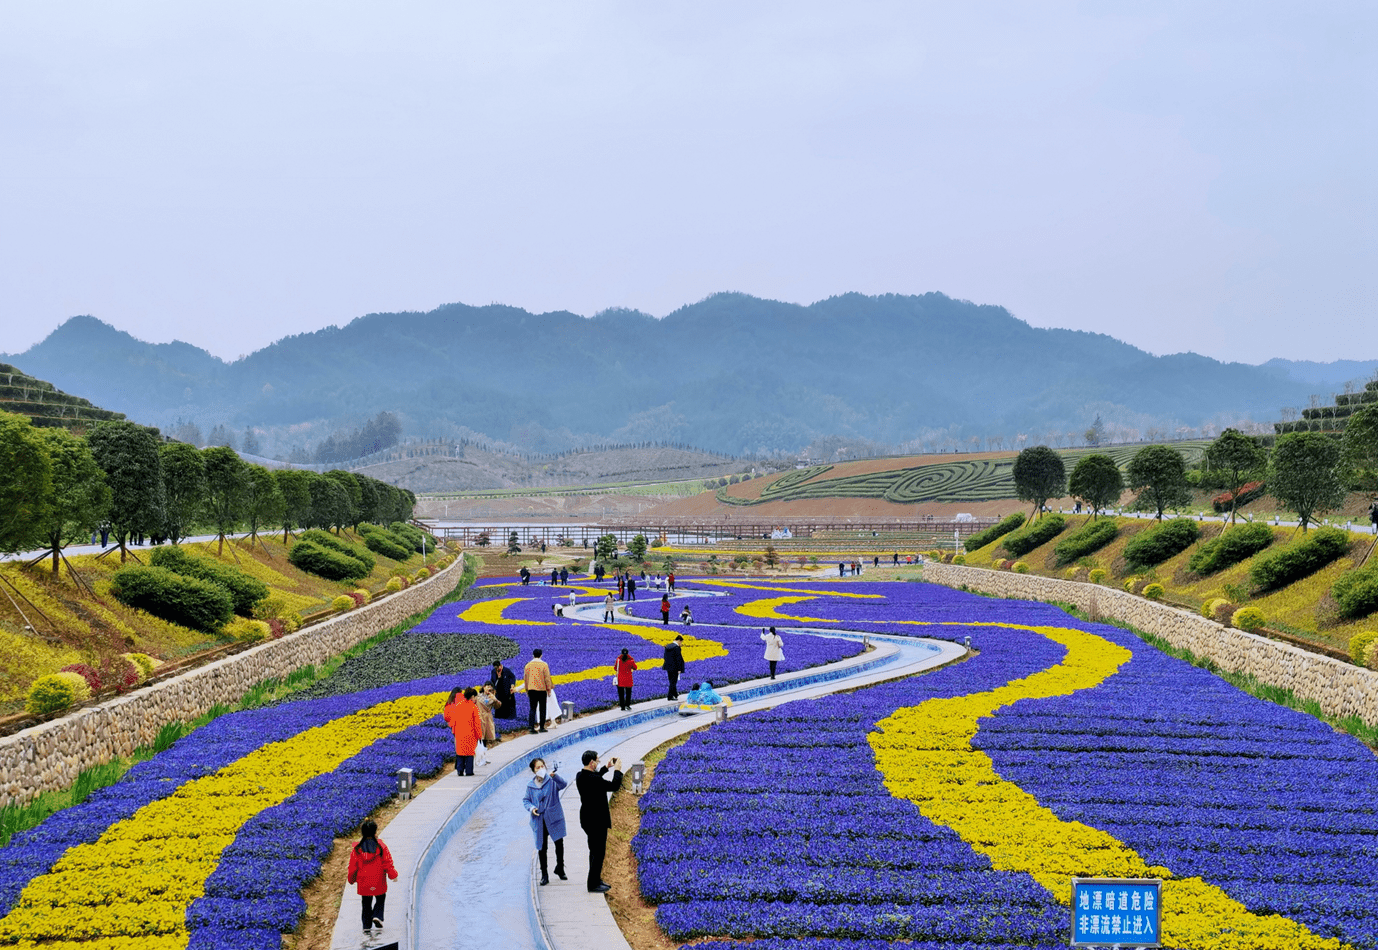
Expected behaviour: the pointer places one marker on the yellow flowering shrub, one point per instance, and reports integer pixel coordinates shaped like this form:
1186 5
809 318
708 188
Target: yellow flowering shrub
1020 567
393 585
1248 618
1097 575
1359 643
342 603
365 594
926 756
959 559
1154 591
1129 583
1371 655
1071 573
53 693
244 630
422 573
144 663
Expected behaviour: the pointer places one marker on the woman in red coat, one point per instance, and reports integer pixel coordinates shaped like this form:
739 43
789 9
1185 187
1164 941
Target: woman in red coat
464 720
624 666
370 866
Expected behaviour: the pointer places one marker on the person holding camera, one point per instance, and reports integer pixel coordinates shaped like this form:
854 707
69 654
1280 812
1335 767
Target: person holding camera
594 815
542 802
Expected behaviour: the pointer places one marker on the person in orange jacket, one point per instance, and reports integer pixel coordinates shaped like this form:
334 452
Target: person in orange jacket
462 715
370 866
624 666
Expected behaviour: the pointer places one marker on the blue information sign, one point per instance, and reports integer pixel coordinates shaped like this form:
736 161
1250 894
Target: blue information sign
1116 912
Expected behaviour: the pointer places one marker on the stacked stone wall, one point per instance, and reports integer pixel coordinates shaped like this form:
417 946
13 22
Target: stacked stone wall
1341 689
48 757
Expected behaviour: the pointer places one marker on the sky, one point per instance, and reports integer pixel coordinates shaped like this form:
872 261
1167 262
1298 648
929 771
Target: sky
1183 176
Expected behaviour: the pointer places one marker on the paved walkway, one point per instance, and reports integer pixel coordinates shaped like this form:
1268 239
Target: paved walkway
463 847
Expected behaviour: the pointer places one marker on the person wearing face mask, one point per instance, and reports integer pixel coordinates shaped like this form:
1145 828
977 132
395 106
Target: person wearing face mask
542 803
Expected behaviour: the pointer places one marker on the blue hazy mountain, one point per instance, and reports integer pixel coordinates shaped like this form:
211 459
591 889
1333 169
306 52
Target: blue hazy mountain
732 372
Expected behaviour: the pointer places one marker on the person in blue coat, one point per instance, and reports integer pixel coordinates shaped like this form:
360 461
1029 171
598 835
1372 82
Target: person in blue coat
542 803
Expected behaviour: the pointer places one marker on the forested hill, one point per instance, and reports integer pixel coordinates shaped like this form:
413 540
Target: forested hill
732 373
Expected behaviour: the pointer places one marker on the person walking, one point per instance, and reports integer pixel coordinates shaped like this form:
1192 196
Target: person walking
621 586
895 559
504 683
554 577
542 802
665 609
370 866
670 578
608 603
539 683
594 815
673 666
564 575
775 648
841 569
631 587
462 715
573 597
624 666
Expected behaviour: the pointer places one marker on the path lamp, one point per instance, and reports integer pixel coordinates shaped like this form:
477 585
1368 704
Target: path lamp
637 773
722 713
966 641
406 781
567 710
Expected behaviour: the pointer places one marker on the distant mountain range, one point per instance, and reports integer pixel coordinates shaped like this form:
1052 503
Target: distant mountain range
731 373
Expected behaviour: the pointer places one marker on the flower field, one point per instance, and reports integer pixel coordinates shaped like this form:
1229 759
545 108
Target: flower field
951 809
209 843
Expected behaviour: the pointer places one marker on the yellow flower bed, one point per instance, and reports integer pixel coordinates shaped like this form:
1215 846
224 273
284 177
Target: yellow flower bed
766 609
490 611
926 756
139 877
791 590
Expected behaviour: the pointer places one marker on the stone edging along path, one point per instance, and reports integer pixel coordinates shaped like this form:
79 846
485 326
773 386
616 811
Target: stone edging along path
1342 689
48 757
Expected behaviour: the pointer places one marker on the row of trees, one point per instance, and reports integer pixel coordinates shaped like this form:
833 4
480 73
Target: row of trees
1307 472
56 487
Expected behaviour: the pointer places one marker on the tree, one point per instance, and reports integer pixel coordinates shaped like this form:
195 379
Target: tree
772 556
1159 475
128 454
1237 457
1039 474
1096 434
1359 451
330 505
605 548
184 487
250 444
294 485
368 499
353 494
225 477
26 485
1097 481
221 436
513 545
1305 476
263 502
637 547
80 498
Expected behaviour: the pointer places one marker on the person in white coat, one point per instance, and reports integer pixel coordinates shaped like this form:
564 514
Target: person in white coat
775 648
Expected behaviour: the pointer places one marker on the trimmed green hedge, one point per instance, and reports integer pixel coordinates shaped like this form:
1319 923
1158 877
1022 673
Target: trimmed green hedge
995 532
1156 545
1299 560
187 601
1234 545
325 562
1039 533
246 591
410 534
380 542
1357 592
1090 537
327 540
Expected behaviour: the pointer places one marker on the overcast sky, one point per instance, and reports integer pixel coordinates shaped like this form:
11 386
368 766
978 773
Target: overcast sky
1183 176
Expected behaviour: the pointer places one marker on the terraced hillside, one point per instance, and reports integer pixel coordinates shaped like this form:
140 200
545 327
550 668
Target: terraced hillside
45 404
930 479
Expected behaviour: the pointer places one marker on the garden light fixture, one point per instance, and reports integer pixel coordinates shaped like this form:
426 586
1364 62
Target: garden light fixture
406 781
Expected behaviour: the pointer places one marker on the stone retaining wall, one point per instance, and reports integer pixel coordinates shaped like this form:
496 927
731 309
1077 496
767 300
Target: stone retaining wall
1342 689
47 757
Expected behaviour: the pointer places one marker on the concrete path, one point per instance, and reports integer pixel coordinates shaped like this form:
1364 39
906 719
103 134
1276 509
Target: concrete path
463 847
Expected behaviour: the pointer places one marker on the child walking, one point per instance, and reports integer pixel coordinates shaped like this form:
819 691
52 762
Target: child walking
370 866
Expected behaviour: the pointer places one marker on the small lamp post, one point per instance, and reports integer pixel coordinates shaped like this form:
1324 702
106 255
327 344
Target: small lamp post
406 781
866 641
567 710
722 712
966 641
637 773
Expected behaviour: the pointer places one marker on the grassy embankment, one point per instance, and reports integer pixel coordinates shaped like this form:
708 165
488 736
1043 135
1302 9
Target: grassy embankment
70 625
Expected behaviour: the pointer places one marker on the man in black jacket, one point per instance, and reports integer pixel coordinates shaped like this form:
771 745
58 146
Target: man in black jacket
674 665
594 815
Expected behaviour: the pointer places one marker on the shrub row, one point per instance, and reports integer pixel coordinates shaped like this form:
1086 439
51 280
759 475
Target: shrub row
1232 546
1156 545
1090 537
1299 560
996 531
245 591
1357 592
186 601
412 536
380 542
1037 534
327 540
325 562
